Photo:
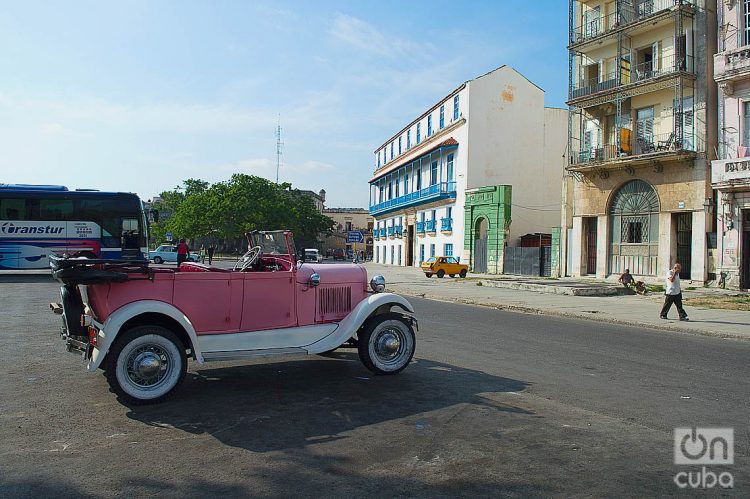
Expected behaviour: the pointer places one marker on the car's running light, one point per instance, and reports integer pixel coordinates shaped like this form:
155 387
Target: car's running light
92 336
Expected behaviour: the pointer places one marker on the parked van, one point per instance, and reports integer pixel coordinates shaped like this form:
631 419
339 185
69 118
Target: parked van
312 255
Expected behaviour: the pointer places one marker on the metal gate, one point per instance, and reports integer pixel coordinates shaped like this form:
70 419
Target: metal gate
480 256
684 242
527 261
591 245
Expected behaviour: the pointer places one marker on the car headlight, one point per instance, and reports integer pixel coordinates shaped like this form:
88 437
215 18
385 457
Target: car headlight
377 283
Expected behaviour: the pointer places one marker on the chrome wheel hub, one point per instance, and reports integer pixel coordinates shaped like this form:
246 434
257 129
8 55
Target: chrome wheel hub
147 366
387 344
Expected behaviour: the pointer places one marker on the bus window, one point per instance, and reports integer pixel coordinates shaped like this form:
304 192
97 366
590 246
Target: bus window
56 209
12 209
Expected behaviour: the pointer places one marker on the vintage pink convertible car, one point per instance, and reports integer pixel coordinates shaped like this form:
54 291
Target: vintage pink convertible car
140 323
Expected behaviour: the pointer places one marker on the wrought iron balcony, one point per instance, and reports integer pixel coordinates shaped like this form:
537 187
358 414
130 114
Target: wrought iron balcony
382 232
446 224
430 225
376 234
399 230
420 227
639 74
593 28
732 65
391 231
441 190
638 148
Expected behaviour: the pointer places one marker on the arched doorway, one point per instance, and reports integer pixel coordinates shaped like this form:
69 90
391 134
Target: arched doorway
481 228
634 233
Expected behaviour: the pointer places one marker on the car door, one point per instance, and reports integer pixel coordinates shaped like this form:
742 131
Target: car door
269 300
206 299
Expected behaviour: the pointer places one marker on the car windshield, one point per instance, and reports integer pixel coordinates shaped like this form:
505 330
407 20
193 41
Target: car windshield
271 243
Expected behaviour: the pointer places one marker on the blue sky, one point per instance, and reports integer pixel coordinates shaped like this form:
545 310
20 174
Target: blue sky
136 96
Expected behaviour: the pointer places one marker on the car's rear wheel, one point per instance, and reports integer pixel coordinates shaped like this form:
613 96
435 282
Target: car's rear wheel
462 273
387 343
428 274
145 364
158 260
441 273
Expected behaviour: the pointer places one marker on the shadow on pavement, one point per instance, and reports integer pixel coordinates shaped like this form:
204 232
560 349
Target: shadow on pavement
25 278
287 405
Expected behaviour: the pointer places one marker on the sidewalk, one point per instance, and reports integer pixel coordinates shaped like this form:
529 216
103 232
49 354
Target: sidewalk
634 310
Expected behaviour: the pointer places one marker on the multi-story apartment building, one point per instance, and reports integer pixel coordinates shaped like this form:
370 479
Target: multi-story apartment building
345 220
730 174
444 184
642 130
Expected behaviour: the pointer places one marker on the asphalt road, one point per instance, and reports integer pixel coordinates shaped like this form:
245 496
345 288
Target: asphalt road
495 404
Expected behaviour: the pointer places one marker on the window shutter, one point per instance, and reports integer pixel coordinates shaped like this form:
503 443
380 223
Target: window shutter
655 56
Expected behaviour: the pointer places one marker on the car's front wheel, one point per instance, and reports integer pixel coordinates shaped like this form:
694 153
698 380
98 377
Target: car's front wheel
145 364
158 260
441 273
428 274
387 343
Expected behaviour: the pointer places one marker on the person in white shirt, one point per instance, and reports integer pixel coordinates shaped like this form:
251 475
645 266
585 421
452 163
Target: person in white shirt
673 293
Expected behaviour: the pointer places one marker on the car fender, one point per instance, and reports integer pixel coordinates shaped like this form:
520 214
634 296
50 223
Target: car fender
119 317
352 322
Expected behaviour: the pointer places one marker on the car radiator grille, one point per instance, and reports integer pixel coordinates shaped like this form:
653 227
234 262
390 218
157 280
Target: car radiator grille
334 301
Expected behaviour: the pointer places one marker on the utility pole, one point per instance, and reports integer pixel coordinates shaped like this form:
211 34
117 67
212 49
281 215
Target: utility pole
279 148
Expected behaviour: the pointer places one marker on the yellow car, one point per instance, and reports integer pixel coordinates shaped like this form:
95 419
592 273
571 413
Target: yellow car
441 265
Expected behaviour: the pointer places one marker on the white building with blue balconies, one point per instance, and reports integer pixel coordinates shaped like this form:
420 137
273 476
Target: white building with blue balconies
492 130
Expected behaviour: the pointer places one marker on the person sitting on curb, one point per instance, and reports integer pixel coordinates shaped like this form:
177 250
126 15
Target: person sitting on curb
626 279
673 293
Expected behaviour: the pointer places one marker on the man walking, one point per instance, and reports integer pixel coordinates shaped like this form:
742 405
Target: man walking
211 250
673 293
182 252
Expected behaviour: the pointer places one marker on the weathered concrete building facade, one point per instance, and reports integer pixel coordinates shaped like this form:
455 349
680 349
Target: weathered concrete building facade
642 132
730 173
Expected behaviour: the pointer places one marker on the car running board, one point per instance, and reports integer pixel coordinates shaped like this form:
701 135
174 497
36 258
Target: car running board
251 354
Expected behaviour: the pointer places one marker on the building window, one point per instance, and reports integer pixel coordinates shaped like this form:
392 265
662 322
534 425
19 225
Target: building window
421 217
449 176
442 117
408 140
746 21
433 172
644 130
419 178
406 184
429 126
421 253
419 133
449 212
746 124
399 145
392 253
634 218
391 150
379 160
448 249
434 214
432 249
377 255
455 108
390 190
385 160
399 254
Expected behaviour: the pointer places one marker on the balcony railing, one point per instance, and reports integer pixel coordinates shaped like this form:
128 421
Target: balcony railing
731 172
420 227
627 14
382 232
391 231
441 190
446 224
661 144
376 234
592 28
732 64
430 225
399 230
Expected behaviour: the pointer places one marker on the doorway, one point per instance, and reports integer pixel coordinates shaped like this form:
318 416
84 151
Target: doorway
591 230
410 245
745 255
684 224
481 227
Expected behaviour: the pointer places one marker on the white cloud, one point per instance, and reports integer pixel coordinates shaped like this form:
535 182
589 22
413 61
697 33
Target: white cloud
364 37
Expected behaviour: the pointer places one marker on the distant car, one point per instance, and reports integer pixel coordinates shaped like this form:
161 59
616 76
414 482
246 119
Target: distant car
312 255
441 265
338 254
166 253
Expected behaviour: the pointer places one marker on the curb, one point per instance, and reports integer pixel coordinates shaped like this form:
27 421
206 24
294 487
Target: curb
553 289
573 315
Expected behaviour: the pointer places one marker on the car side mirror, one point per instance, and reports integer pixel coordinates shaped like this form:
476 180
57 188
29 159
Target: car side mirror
314 279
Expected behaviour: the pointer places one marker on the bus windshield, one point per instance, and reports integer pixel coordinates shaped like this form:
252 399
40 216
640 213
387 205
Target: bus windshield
36 223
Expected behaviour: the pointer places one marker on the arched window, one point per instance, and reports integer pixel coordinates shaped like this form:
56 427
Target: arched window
634 221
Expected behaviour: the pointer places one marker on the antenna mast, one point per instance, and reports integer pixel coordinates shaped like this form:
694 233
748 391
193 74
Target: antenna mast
279 148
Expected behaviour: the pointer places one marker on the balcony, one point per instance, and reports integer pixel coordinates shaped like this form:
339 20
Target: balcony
638 150
382 233
640 75
430 225
729 174
596 28
436 192
376 234
391 231
446 224
420 227
732 66
399 230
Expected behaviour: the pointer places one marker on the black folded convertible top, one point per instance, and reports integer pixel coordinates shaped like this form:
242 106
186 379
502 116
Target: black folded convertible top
75 271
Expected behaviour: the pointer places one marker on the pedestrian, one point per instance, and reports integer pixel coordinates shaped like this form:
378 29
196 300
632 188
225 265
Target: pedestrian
626 279
211 250
203 254
673 293
183 251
